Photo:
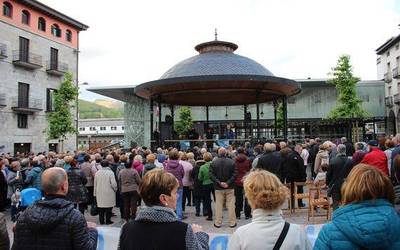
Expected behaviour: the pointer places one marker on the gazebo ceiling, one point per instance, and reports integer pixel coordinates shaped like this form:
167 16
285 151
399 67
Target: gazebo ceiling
217 77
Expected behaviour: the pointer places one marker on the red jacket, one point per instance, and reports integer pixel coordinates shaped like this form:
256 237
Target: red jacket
242 165
376 158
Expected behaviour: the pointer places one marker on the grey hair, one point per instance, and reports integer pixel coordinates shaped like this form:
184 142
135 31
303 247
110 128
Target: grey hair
25 162
341 149
343 139
269 147
51 184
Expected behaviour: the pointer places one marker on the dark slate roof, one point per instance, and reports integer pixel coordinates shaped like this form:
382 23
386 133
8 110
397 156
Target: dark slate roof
387 45
216 63
54 13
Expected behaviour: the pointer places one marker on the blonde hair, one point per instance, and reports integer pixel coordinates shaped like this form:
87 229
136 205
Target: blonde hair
151 158
68 159
190 156
366 182
183 156
264 190
207 156
138 158
155 183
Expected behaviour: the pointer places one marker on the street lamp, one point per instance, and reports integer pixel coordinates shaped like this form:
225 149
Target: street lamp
77 113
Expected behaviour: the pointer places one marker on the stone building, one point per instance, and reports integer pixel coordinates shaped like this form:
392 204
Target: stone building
306 111
37 46
387 62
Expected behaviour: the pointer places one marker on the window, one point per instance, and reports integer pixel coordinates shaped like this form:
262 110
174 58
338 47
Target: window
389 90
397 46
26 17
23 95
55 30
92 128
388 53
53 59
68 35
23 49
42 24
50 100
7 9
291 100
22 120
123 128
81 129
364 98
102 128
113 128
84 142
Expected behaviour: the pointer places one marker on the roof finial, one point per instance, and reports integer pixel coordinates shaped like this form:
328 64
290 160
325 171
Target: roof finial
216 35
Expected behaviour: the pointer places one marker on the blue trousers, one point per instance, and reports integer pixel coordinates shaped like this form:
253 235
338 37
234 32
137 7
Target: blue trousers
179 212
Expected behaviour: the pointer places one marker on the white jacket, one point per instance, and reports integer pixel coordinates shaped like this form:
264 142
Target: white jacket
263 232
105 187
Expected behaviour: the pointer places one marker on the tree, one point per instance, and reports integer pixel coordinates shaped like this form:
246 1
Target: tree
185 121
60 121
348 105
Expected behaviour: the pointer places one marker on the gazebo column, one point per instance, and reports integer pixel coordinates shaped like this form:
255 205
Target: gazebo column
245 120
159 120
171 108
275 104
285 122
258 114
151 109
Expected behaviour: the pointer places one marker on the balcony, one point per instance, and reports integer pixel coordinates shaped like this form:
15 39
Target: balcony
387 77
56 68
395 72
26 106
3 51
27 60
3 100
396 98
389 101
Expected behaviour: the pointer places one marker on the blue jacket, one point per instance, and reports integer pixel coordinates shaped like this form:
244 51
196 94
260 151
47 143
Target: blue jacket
368 224
34 177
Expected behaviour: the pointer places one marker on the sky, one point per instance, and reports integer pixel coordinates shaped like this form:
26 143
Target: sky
131 42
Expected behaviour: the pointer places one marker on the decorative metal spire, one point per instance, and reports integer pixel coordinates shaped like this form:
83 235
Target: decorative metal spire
216 35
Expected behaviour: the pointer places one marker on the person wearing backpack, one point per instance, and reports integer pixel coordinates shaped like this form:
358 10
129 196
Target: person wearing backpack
268 229
322 157
339 168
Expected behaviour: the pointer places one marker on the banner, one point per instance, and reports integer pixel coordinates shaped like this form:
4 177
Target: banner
109 236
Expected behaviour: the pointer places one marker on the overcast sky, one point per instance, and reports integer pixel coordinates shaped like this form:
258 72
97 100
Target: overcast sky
130 42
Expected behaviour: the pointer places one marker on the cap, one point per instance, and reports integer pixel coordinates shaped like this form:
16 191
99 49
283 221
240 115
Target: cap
373 143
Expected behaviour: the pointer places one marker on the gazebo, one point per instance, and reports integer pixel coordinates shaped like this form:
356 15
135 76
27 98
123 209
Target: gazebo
218 77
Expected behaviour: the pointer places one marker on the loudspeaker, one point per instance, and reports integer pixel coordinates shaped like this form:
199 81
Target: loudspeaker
247 117
168 119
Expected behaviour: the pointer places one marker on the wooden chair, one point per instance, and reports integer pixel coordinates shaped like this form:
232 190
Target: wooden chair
289 198
318 200
304 195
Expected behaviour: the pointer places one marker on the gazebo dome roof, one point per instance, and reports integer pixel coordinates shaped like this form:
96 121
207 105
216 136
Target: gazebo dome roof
216 58
217 77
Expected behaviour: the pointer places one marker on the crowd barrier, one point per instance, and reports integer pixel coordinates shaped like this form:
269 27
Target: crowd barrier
109 236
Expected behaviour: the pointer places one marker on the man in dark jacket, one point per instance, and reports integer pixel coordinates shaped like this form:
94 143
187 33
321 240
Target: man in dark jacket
339 168
270 161
314 148
349 146
243 165
53 223
223 173
292 169
4 239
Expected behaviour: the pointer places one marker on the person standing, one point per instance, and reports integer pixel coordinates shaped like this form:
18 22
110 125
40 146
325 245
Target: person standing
129 181
242 164
389 144
53 223
33 179
359 154
376 157
187 181
206 186
270 161
197 187
304 155
322 157
223 174
77 192
338 170
86 170
174 167
105 187
4 239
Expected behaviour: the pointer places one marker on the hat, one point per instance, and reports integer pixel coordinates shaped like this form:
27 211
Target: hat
373 143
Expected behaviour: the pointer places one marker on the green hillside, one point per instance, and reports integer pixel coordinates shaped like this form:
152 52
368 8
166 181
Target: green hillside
92 110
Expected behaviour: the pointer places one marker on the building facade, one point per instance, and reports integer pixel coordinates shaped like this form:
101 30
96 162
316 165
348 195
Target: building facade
100 132
38 45
388 61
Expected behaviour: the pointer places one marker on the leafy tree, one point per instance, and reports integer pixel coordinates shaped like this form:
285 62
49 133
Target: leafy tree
279 116
185 121
348 105
60 122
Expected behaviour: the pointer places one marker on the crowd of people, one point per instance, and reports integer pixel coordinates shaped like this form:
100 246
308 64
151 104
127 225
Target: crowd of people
153 189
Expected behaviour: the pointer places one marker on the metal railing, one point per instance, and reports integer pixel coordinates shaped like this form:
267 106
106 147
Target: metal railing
32 103
387 77
396 98
57 66
395 72
389 101
27 57
3 50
